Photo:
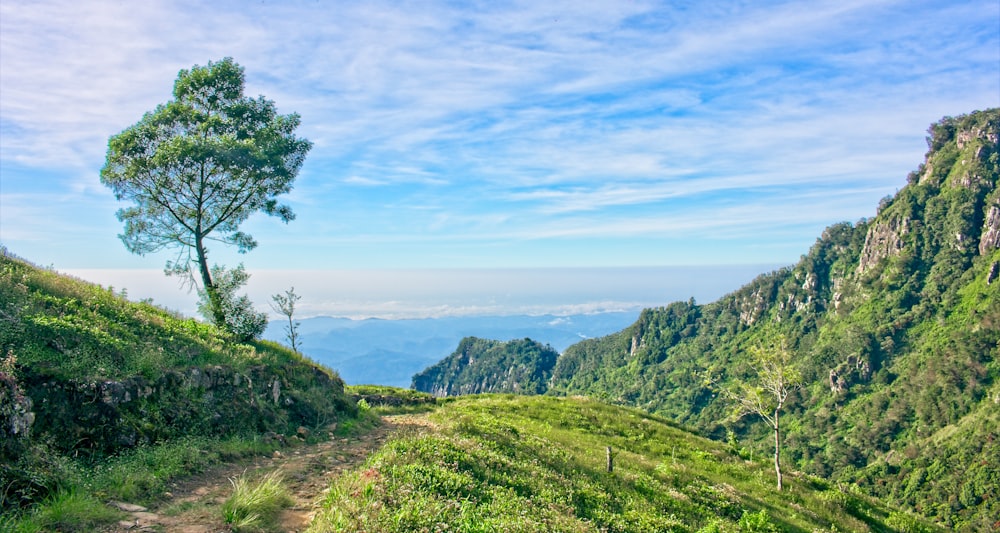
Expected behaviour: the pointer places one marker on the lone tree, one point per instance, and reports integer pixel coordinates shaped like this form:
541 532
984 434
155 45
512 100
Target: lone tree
198 166
775 378
285 304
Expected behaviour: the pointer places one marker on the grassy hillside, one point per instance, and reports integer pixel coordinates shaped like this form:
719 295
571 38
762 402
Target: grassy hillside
516 463
88 377
66 328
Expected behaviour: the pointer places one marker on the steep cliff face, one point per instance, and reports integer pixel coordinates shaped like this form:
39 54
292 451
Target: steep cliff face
991 231
884 239
895 322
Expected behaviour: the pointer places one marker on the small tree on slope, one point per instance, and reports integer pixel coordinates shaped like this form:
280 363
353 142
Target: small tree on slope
285 304
775 378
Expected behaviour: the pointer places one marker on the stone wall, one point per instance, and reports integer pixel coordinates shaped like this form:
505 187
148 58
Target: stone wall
86 417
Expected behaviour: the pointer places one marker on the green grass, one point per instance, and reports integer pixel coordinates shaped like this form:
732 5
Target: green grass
366 420
388 400
140 476
69 328
69 510
255 504
61 337
386 390
502 463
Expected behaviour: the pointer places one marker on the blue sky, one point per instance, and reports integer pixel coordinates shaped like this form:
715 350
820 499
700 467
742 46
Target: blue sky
471 135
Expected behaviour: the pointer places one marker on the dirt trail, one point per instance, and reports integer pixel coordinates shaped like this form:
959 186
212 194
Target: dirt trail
194 504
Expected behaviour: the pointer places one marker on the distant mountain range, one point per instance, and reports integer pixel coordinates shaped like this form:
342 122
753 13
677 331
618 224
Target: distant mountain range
390 352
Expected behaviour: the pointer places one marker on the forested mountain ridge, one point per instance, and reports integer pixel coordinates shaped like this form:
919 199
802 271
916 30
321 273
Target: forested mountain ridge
479 366
894 323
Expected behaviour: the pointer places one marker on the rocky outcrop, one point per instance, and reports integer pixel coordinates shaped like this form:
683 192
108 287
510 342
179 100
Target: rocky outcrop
753 305
856 369
990 237
884 239
988 133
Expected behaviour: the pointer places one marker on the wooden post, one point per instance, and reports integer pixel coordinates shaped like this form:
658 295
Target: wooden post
611 465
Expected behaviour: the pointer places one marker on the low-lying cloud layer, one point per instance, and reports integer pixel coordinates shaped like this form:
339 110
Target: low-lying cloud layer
426 293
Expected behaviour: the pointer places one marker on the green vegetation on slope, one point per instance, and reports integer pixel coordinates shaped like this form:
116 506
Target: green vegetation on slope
66 328
87 377
536 463
896 325
479 365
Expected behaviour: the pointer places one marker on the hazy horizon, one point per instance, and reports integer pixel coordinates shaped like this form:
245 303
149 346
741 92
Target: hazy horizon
432 293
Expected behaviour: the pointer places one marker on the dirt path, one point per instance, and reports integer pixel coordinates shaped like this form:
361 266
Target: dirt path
193 505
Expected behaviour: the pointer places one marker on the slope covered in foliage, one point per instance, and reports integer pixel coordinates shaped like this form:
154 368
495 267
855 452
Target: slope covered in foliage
86 373
895 322
479 365
536 463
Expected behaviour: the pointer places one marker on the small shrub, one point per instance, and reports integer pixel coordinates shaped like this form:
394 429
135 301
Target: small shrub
905 523
713 527
757 522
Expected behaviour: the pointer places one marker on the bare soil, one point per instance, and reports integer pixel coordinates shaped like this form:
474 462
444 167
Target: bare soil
194 504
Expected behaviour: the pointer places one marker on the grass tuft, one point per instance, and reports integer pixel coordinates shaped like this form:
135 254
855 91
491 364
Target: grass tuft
68 510
255 504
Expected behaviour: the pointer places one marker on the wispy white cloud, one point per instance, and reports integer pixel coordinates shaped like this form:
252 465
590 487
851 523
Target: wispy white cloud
365 182
510 122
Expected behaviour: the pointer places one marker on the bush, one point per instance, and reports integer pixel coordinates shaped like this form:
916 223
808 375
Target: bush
757 522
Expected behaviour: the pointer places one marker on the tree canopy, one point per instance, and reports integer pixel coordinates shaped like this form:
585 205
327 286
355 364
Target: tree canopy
199 166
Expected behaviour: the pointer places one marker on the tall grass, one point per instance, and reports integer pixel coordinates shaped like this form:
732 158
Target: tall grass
66 511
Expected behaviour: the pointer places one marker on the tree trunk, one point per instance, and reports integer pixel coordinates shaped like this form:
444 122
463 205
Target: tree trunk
292 334
777 449
218 316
